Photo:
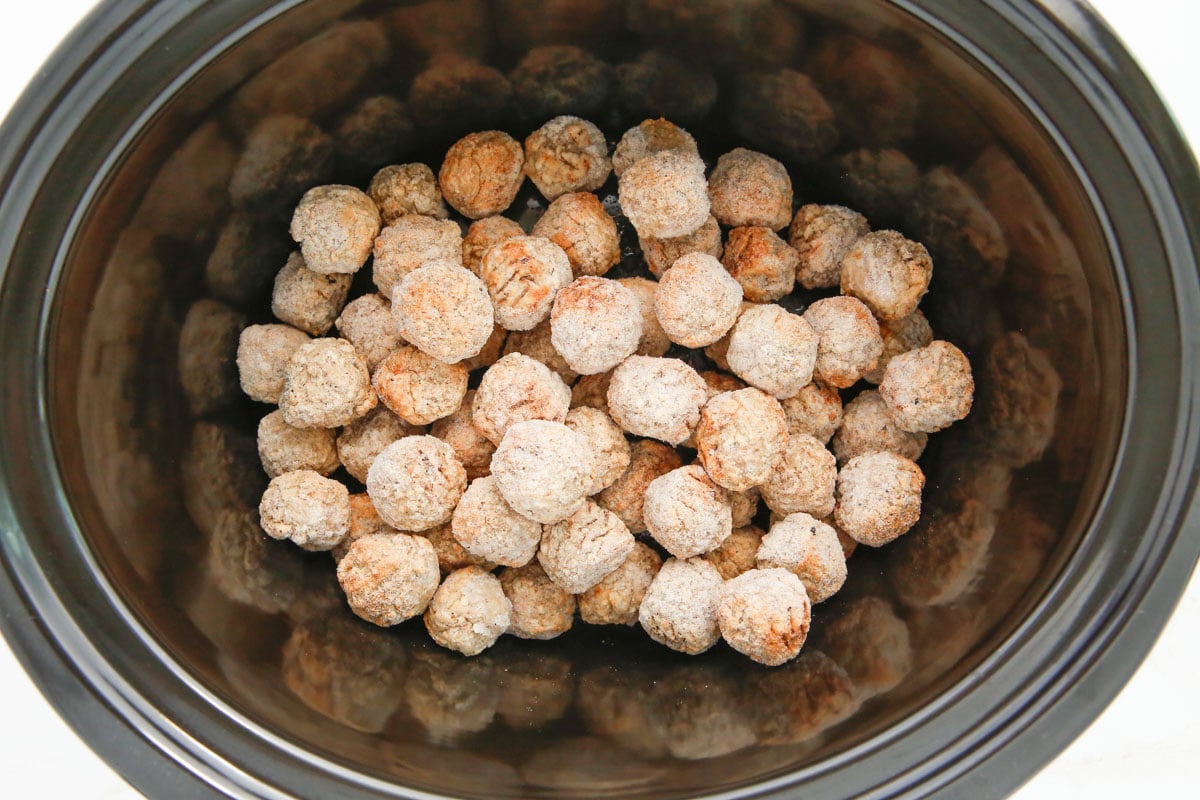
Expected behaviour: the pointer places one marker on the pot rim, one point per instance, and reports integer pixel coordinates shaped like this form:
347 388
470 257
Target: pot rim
1016 710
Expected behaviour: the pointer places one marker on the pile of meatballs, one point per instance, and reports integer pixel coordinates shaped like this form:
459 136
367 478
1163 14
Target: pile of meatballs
534 440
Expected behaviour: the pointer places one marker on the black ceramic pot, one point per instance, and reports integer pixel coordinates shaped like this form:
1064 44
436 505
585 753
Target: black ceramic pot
1017 139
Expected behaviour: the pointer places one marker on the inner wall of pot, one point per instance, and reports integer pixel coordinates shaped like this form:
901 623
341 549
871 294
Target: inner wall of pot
928 144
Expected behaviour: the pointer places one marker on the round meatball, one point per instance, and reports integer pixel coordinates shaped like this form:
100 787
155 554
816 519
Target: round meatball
868 427
581 549
364 521
809 548
680 607
262 357
282 448
738 553
656 397
389 578
326 385
850 343
418 387
311 511
616 598
487 528
522 275
469 611
878 498
458 430
416 482
648 460
483 235
368 324
647 138
482 173
761 262
749 188
765 614
609 446
516 389
815 410
929 388
407 189
444 310
578 223
336 228
308 300
887 272
537 344
661 254
540 608
595 324
900 336
773 350
741 435
687 513
697 301
653 340
543 469
362 440
410 242
665 195
803 479
821 237
567 154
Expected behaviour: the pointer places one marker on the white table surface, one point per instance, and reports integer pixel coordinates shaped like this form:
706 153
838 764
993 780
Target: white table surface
1149 738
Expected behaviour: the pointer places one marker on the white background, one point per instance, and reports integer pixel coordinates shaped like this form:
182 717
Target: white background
1148 740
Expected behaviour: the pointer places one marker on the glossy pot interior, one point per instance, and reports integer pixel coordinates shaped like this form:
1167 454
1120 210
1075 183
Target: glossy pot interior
929 143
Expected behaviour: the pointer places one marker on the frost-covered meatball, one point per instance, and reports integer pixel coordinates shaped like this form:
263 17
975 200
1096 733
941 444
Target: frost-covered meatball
308 300
578 223
808 547
878 498
567 154
656 397
850 344
887 272
616 598
648 460
815 410
335 227
262 358
595 324
680 607
648 137
516 389
416 482
537 344
773 350
929 388
487 528
482 173
311 511
581 549
389 578
822 236
368 324
765 614
665 195
364 521
412 241
741 436
326 385
483 234
697 301
522 275
653 341
282 448
660 254
868 427
738 553
458 430
750 188
407 189
469 611
444 310
540 608
543 469
761 262
362 440
687 513
609 446
802 479
418 387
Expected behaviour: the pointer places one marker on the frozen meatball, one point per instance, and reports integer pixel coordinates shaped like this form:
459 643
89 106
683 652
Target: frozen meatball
773 350
493 348
868 427
815 410
697 301
609 446
591 391
653 340
444 310
687 513
616 598
419 388
578 223
326 385
656 397
412 241
821 237
364 521
416 482
849 344
595 324
458 430
744 506
749 188
803 479
487 528
761 262
522 275
540 608
368 324
660 254
263 355
648 137
517 389
900 336
808 547
665 195
362 440
680 607
648 460
765 614
543 470
388 579
407 189
282 448
450 554
469 611
738 553
929 388
335 227
311 511
481 173
208 346
567 154
560 79
482 235
784 113
741 435
308 300
887 272
537 344
581 549
878 498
